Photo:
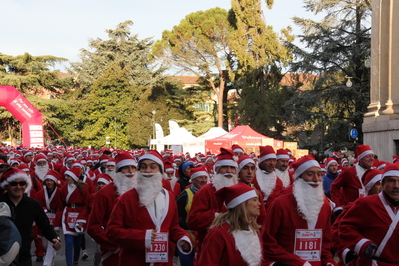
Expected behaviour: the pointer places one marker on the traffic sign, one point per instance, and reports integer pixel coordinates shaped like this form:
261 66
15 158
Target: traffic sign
354 133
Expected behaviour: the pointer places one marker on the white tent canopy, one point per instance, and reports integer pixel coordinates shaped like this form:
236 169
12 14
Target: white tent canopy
198 145
176 138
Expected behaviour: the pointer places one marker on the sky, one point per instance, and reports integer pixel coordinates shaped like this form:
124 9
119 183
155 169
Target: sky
62 28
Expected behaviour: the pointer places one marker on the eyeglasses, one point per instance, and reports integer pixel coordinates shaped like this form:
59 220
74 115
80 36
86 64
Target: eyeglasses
15 183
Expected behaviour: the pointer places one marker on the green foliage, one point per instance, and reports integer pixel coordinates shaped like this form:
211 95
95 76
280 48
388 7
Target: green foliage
336 49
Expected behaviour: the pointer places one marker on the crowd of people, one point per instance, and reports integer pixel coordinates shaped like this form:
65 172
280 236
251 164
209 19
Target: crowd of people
230 208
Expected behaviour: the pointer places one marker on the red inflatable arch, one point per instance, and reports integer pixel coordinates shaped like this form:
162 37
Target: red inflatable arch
30 118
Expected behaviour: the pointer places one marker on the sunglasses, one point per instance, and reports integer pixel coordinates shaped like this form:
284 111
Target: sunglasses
15 183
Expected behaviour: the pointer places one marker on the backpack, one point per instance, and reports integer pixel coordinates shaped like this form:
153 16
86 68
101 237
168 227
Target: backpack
10 241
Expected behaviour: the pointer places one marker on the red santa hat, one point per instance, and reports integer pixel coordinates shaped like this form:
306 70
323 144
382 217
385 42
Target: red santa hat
111 161
329 161
123 159
74 172
198 171
69 157
237 148
243 160
155 156
323 167
53 175
289 151
304 164
381 164
226 157
168 166
77 164
12 174
24 167
176 158
105 178
266 152
282 154
104 158
28 153
362 151
344 160
40 158
234 195
392 169
370 177
395 158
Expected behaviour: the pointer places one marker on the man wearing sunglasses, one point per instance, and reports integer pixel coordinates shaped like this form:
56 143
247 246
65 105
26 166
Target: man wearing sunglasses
25 211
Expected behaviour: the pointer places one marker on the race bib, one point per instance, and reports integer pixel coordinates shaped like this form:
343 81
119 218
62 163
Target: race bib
71 219
362 193
308 244
159 249
51 217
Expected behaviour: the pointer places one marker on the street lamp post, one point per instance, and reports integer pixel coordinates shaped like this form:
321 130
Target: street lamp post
153 124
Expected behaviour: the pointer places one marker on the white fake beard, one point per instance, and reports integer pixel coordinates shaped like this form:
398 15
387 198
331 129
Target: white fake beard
41 171
284 177
309 199
124 183
148 187
220 181
112 173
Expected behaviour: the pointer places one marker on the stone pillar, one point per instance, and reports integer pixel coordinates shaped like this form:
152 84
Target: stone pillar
381 123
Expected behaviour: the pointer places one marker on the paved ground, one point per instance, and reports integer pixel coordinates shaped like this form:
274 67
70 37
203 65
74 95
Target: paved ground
60 258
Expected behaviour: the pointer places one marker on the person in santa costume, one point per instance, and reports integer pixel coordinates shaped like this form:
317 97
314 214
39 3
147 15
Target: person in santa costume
204 207
246 174
370 226
331 174
347 187
104 201
297 226
372 184
199 178
282 164
50 199
144 222
76 199
237 149
184 175
170 176
234 235
266 179
41 167
25 211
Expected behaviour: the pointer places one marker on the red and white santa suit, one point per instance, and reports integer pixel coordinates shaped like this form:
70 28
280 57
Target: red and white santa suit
222 248
348 186
373 219
297 226
269 184
75 208
130 224
102 204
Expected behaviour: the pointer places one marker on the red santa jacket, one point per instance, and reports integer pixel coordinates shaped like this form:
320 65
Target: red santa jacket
51 205
129 224
75 208
345 187
279 231
371 219
202 212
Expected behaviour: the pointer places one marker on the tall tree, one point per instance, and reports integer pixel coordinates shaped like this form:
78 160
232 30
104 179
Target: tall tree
335 49
199 45
123 48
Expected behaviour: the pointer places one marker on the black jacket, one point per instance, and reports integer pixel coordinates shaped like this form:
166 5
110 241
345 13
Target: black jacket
24 214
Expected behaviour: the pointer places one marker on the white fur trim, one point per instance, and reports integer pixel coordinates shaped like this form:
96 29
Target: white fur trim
244 163
363 154
41 160
77 165
240 199
51 177
330 162
179 247
71 174
149 156
305 166
390 173
200 173
371 183
111 163
381 166
104 161
359 244
105 181
282 156
126 162
267 156
343 256
238 150
147 239
169 169
225 163
248 243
